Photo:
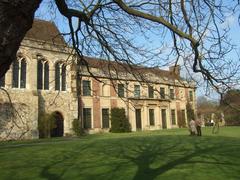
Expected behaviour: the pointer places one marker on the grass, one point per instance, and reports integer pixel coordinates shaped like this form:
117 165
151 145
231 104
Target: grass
167 154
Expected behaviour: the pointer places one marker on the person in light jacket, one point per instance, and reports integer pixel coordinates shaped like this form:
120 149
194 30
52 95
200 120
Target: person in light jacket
192 126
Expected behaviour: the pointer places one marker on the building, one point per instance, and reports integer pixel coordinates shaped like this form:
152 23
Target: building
43 79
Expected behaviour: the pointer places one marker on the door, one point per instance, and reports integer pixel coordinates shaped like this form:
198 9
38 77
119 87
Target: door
138 119
57 131
164 119
105 118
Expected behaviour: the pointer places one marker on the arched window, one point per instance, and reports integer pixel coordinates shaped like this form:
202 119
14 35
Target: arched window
57 76
63 77
46 75
19 72
60 77
23 72
42 74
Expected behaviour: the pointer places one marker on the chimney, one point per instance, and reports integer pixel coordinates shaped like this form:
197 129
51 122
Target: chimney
175 69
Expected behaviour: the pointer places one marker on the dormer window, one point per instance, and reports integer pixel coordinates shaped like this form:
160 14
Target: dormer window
162 93
150 92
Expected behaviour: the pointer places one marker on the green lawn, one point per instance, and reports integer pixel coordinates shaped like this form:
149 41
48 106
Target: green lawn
167 154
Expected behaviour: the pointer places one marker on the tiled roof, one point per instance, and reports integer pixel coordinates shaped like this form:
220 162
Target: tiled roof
48 32
45 31
124 67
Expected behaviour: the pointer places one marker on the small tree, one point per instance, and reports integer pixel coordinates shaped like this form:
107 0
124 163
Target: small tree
190 112
77 128
46 123
119 121
230 106
181 119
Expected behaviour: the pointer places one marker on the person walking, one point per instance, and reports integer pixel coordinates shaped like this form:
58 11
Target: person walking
215 129
192 126
198 126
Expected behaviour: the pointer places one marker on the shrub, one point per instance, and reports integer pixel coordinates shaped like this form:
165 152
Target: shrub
46 123
119 121
76 127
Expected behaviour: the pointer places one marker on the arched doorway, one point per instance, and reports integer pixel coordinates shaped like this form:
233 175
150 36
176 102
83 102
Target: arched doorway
57 131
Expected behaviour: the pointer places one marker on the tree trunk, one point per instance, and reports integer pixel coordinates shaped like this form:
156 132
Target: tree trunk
16 18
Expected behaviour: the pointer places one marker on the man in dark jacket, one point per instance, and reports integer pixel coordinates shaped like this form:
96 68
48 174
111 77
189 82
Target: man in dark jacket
198 126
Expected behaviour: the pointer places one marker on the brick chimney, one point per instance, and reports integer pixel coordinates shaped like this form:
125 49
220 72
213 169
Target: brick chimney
175 69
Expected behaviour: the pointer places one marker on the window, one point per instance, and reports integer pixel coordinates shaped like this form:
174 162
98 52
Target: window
105 89
190 96
172 94
137 91
42 75
150 92
86 88
162 93
60 77
105 118
63 77
87 118
151 117
2 81
46 76
19 73
120 90
173 117
57 76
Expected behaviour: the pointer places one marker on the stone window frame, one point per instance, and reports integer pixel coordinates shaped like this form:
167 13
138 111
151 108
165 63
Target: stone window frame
172 93
152 122
109 123
162 93
61 76
91 117
121 90
86 89
19 72
173 114
44 73
150 91
137 92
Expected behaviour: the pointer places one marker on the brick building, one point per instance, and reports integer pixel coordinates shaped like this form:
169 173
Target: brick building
43 79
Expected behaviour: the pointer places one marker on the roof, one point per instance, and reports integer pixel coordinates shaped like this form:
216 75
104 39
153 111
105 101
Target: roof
45 31
48 32
124 67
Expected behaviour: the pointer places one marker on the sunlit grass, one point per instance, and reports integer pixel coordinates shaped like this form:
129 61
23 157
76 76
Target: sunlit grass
167 154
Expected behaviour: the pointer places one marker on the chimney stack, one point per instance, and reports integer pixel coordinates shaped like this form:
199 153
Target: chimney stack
175 69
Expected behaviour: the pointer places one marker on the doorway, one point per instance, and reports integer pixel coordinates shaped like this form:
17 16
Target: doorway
138 119
57 131
164 119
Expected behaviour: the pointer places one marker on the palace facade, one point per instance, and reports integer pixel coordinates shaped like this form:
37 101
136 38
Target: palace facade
43 79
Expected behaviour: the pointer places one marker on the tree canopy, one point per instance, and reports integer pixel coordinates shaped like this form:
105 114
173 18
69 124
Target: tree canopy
194 32
230 105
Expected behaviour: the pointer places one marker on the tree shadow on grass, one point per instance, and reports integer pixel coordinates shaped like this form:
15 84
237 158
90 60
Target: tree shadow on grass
149 157
173 154
65 160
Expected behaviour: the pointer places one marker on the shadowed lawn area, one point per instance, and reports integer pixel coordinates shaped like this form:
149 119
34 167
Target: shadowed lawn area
167 154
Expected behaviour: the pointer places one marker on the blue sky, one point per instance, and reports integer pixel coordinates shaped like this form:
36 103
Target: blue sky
45 13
